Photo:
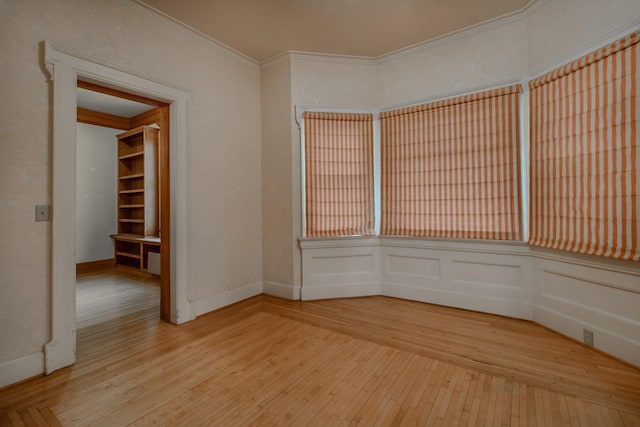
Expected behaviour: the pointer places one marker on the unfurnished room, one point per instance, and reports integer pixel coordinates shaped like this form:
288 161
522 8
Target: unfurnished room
337 212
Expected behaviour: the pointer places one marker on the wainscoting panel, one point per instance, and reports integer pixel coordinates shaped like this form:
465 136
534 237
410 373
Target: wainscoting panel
413 266
573 294
492 278
341 269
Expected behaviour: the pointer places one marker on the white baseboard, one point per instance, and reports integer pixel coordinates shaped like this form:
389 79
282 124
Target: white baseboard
21 368
214 302
283 291
339 291
604 340
475 302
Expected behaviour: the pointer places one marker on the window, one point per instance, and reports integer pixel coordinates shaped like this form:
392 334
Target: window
338 153
585 157
451 168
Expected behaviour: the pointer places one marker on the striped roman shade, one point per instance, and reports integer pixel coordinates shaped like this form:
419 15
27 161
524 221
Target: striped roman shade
338 174
585 157
451 168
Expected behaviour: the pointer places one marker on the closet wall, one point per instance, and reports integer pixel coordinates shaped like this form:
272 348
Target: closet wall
96 177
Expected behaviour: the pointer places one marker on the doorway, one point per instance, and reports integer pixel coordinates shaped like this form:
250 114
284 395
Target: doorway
64 67
139 246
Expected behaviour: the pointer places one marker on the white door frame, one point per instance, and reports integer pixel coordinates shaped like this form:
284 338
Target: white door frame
63 67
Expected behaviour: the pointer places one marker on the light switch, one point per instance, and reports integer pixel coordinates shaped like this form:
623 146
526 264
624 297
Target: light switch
42 212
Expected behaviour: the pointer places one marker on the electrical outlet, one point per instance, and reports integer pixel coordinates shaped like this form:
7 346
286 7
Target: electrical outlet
587 336
42 212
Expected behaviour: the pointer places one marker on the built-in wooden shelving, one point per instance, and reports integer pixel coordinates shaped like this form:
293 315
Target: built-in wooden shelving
137 196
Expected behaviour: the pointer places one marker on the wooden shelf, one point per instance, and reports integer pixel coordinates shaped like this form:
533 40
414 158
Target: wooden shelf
133 249
127 237
132 155
128 255
133 176
137 196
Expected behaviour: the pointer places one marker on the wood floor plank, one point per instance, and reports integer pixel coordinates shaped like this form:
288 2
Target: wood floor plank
360 361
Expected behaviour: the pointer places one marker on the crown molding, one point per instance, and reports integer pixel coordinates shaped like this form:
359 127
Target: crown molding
275 59
168 19
323 57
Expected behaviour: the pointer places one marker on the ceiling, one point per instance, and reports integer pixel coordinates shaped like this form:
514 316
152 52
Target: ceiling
262 29
109 104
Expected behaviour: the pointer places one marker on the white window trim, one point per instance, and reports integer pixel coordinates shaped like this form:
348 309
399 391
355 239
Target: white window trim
300 109
524 160
523 122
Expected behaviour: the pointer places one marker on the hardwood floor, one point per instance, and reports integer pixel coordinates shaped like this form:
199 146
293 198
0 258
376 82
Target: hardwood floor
360 361
109 298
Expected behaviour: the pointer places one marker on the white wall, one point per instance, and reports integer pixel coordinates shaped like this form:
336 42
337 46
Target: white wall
333 81
96 191
558 28
277 212
223 165
467 62
297 79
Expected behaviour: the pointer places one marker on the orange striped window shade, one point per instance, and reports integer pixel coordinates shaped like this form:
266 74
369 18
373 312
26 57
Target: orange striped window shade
452 168
585 158
339 197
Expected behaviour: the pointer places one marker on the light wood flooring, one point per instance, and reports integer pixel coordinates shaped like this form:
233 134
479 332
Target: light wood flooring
361 361
113 297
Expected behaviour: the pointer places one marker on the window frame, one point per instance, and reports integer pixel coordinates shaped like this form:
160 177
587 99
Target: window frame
299 111
596 52
523 122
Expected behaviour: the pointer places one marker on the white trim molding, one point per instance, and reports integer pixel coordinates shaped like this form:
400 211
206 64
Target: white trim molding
280 290
14 370
64 67
219 300
573 292
340 267
492 277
